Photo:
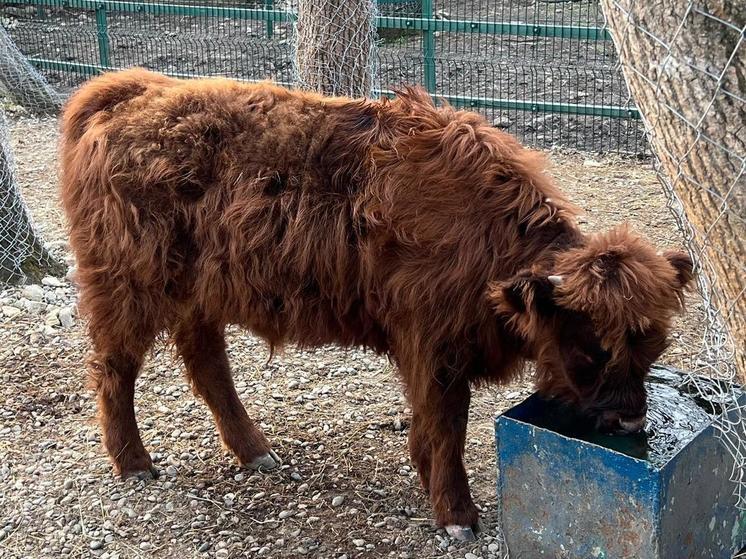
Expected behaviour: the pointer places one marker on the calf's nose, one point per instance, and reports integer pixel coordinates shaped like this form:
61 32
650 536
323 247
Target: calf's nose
632 425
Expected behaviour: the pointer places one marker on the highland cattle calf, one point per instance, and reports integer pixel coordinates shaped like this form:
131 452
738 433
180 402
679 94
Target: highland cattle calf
417 231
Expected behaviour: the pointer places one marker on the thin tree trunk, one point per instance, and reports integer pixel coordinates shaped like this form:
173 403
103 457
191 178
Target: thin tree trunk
686 70
334 46
22 254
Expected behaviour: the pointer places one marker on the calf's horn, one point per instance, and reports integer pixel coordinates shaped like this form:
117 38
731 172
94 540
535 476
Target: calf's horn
556 280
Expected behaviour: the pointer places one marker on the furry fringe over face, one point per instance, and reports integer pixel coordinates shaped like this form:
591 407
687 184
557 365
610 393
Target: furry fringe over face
415 230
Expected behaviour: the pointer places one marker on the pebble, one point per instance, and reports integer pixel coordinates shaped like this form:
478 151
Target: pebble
66 317
338 500
171 471
295 476
33 292
493 548
358 542
471 556
285 514
51 281
302 488
203 547
11 312
95 544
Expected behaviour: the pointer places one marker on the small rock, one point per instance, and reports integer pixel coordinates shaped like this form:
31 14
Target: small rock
203 547
591 163
66 317
295 476
302 488
338 500
493 548
171 471
471 556
52 281
52 318
285 514
11 312
37 307
358 543
33 292
95 544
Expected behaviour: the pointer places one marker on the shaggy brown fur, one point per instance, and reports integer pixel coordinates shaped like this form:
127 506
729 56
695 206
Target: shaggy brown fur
417 231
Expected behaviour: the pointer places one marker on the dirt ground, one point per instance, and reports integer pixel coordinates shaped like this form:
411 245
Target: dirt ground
337 418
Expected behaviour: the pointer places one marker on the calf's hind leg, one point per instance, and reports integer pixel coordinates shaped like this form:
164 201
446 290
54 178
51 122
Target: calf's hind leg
202 346
116 361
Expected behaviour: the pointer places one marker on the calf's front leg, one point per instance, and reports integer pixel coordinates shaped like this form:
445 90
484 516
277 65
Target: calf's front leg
441 411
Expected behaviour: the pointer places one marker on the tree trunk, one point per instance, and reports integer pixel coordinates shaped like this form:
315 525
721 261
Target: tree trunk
22 82
685 68
22 254
334 46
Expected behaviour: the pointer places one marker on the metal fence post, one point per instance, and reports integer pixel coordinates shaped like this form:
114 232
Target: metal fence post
428 46
102 33
270 4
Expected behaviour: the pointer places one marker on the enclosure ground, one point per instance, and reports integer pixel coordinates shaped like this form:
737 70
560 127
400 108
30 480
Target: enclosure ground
337 418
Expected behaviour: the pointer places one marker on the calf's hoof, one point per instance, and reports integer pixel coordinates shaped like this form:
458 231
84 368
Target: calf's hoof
150 473
265 462
461 533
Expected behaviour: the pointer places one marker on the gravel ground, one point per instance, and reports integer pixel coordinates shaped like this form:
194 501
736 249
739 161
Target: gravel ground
337 418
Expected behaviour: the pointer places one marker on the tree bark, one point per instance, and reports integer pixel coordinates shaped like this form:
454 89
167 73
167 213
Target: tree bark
686 71
334 46
22 254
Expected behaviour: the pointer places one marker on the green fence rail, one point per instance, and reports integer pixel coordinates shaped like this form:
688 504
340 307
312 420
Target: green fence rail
424 19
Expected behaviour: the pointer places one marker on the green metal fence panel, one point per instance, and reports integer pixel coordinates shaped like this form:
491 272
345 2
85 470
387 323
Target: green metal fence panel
103 36
543 70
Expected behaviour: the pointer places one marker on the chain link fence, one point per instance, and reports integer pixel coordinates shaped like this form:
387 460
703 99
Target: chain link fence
686 67
22 254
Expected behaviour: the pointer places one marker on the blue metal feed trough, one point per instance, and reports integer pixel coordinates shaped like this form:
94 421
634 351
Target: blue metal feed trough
568 492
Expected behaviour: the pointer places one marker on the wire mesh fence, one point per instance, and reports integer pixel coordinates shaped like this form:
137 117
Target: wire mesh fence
22 254
545 71
685 66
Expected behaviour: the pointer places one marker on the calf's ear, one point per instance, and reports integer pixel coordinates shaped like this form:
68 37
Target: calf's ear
524 299
683 265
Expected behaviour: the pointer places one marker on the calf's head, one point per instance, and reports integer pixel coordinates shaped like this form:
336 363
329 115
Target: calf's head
596 321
